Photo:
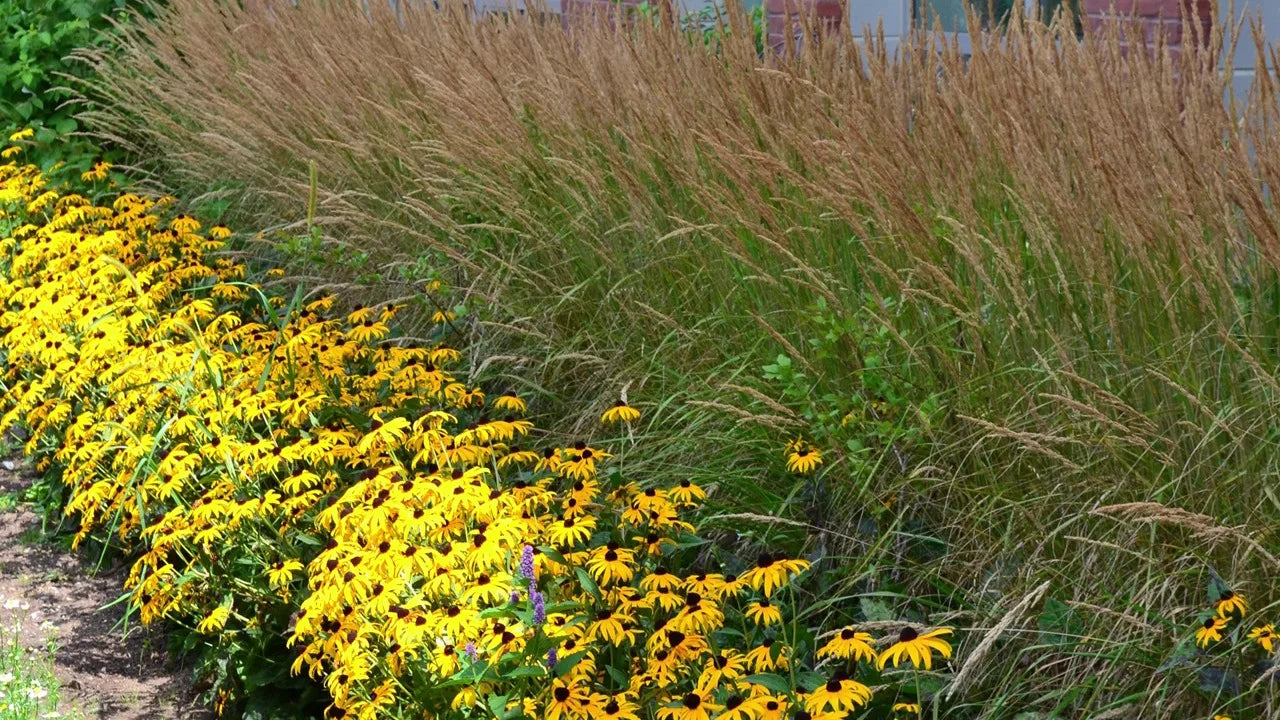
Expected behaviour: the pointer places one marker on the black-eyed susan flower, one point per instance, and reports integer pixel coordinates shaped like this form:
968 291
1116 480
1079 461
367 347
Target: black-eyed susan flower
725 666
837 694
916 647
611 564
768 656
695 705
764 613
621 706
570 531
1231 604
568 699
281 573
773 707
1265 636
97 172
214 621
772 572
1210 631
803 458
620 412
686 493
849 644
903 711
184 224
508 402
739 707
580 463
611 627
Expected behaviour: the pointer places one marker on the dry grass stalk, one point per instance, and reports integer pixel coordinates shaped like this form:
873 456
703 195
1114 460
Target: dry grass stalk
1034 442
776 422
989 639
754 393
1201 526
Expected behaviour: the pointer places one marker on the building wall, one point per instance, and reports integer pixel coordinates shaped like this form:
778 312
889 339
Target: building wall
1246 55
866 15
861 15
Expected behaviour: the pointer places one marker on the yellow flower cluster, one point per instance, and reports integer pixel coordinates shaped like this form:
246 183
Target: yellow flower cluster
285 472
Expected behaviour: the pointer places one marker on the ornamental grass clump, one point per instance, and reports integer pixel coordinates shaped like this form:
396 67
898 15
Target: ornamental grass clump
289 476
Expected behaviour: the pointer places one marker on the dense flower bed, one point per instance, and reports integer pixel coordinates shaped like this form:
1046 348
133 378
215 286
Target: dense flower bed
287 474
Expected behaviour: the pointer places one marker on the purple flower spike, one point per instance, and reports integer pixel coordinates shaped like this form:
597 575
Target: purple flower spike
526 563
552 659
470 651
539 605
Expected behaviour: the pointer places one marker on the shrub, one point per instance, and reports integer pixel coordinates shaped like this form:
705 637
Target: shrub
35 64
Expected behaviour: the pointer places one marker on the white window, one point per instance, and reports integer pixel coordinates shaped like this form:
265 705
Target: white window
949 15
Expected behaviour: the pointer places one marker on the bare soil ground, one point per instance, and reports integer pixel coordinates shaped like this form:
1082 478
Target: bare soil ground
105 671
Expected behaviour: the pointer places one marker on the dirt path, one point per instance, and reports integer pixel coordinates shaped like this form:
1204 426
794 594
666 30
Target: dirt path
103 674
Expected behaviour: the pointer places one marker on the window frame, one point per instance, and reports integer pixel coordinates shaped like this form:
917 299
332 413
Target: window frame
963 39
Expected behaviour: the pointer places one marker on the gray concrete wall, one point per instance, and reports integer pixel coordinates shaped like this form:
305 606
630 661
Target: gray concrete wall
1245 59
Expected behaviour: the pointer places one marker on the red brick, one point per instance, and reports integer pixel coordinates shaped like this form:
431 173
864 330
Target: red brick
826 14
1168 9
1153 15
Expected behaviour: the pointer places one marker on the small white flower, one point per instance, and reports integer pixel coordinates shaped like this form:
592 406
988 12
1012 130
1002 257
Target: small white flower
51 715
6 678
37 692
12 604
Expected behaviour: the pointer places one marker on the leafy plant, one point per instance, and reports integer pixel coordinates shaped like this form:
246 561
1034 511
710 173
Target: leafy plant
872 413
28 686
38 39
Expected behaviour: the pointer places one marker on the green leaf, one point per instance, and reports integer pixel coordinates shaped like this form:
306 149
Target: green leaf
876 610
1217 586
775 683
1217 680
1060 623
499 611
65 126
587 583
498 705
566 664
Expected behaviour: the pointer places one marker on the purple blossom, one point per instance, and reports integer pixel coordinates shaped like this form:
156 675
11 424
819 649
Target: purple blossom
539 605
526 563
470 651
515 596
552 659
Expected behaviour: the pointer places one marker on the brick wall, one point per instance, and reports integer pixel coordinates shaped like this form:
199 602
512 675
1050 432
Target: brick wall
1153 16
827 15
